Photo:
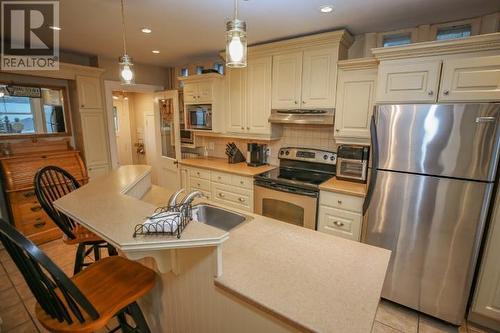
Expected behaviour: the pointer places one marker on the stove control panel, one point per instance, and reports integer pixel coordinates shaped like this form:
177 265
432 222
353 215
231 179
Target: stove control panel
308 155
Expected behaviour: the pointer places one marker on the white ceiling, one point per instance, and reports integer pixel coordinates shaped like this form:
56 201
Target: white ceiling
184 30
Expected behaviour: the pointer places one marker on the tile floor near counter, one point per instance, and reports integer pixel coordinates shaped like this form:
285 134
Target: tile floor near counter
18 315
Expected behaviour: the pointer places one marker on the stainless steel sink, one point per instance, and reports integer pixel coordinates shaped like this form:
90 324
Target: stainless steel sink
218 217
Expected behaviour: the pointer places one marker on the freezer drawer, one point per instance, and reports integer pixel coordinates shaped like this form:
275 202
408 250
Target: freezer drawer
453 140
433 226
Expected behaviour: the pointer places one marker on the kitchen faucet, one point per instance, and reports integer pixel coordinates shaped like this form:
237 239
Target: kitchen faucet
191 196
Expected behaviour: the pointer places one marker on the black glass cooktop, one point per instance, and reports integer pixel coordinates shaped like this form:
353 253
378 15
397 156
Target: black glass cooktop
295 176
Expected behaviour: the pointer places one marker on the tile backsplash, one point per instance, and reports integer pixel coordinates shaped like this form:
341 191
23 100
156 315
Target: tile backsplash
306 136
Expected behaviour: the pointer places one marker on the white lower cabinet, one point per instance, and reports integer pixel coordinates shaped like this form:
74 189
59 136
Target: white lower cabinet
340 215
221 187
97 171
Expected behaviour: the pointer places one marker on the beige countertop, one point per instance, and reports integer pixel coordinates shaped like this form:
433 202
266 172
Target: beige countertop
106 206
220 164
344 187
314 281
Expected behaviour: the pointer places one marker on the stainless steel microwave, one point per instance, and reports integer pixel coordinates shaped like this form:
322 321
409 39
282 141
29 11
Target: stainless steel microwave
352 163
187 136
199 116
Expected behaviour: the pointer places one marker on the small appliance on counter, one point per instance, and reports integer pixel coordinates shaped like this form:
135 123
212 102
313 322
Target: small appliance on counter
352 162
234 155
256 154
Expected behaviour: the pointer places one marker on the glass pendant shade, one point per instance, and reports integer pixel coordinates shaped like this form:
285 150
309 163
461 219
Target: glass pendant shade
127 75
236 44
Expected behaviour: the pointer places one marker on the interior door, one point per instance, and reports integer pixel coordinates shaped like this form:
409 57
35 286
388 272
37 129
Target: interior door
168 143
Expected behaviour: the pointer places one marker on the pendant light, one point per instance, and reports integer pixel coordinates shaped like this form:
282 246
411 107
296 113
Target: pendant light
127 75
236 41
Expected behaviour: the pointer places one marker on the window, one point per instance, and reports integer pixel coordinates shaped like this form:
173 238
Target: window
184 72
115 119
452 32
199 69
396 39
31 115
219 67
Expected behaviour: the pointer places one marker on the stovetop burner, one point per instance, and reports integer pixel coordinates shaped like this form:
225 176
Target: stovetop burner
301 167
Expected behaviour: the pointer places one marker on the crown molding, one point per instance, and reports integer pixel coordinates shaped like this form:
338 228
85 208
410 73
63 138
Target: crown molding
200 77
358 63
476 43
66 71
331 38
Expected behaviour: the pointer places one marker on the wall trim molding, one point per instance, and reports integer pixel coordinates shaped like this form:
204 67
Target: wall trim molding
476 43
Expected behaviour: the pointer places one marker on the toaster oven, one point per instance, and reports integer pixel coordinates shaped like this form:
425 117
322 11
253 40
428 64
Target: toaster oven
352 163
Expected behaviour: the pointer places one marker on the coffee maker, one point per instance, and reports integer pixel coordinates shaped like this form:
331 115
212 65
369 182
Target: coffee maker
256 154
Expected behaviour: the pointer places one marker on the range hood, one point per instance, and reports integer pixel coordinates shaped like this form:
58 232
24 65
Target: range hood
303 116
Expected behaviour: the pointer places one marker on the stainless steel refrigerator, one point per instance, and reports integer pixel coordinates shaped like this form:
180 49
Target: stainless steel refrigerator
432 175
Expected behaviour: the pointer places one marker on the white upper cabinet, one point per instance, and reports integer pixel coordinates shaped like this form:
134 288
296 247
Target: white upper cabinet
318 78
259 95
249 97
89 92
355 100
236 100
287 81
451 71
198 92
408 81
471 79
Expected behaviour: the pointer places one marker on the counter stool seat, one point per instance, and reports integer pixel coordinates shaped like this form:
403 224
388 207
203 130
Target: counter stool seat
110 285
86 302
52 183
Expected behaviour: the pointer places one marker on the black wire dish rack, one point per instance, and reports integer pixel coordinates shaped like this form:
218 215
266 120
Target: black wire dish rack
168 220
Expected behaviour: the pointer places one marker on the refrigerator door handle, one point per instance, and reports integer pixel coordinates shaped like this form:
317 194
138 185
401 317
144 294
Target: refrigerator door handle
373 171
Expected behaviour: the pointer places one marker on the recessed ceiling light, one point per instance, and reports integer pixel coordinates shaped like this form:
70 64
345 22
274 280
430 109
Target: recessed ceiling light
326 9
156 51
115 97
146 30
125 98
54 28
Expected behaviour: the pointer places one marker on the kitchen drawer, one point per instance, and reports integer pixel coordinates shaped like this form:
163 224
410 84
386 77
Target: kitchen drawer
231 196
241 181
198 183
199 173
27 210
22 196
221 177
35 225
339 222
341 201
206 194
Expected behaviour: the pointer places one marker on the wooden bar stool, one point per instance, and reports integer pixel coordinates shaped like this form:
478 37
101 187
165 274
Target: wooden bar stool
51 183
87 301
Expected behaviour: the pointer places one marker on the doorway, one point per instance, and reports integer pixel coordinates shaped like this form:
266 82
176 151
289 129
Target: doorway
144 128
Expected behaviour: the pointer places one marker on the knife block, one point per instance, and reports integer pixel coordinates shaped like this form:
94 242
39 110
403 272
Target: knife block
236 158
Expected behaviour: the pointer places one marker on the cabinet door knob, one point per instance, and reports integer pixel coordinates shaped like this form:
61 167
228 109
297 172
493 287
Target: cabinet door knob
296 102
241 182
339 202
446 92
83 106
337 130
242 127
248 127
338 224
241 199
221 195
430 93
303 102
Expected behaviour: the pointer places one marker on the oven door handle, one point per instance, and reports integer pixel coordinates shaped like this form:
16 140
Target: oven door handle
287 189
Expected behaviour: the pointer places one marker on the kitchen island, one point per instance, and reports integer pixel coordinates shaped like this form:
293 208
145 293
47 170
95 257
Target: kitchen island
262 276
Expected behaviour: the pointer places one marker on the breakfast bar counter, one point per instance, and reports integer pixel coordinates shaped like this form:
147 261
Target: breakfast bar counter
275 277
